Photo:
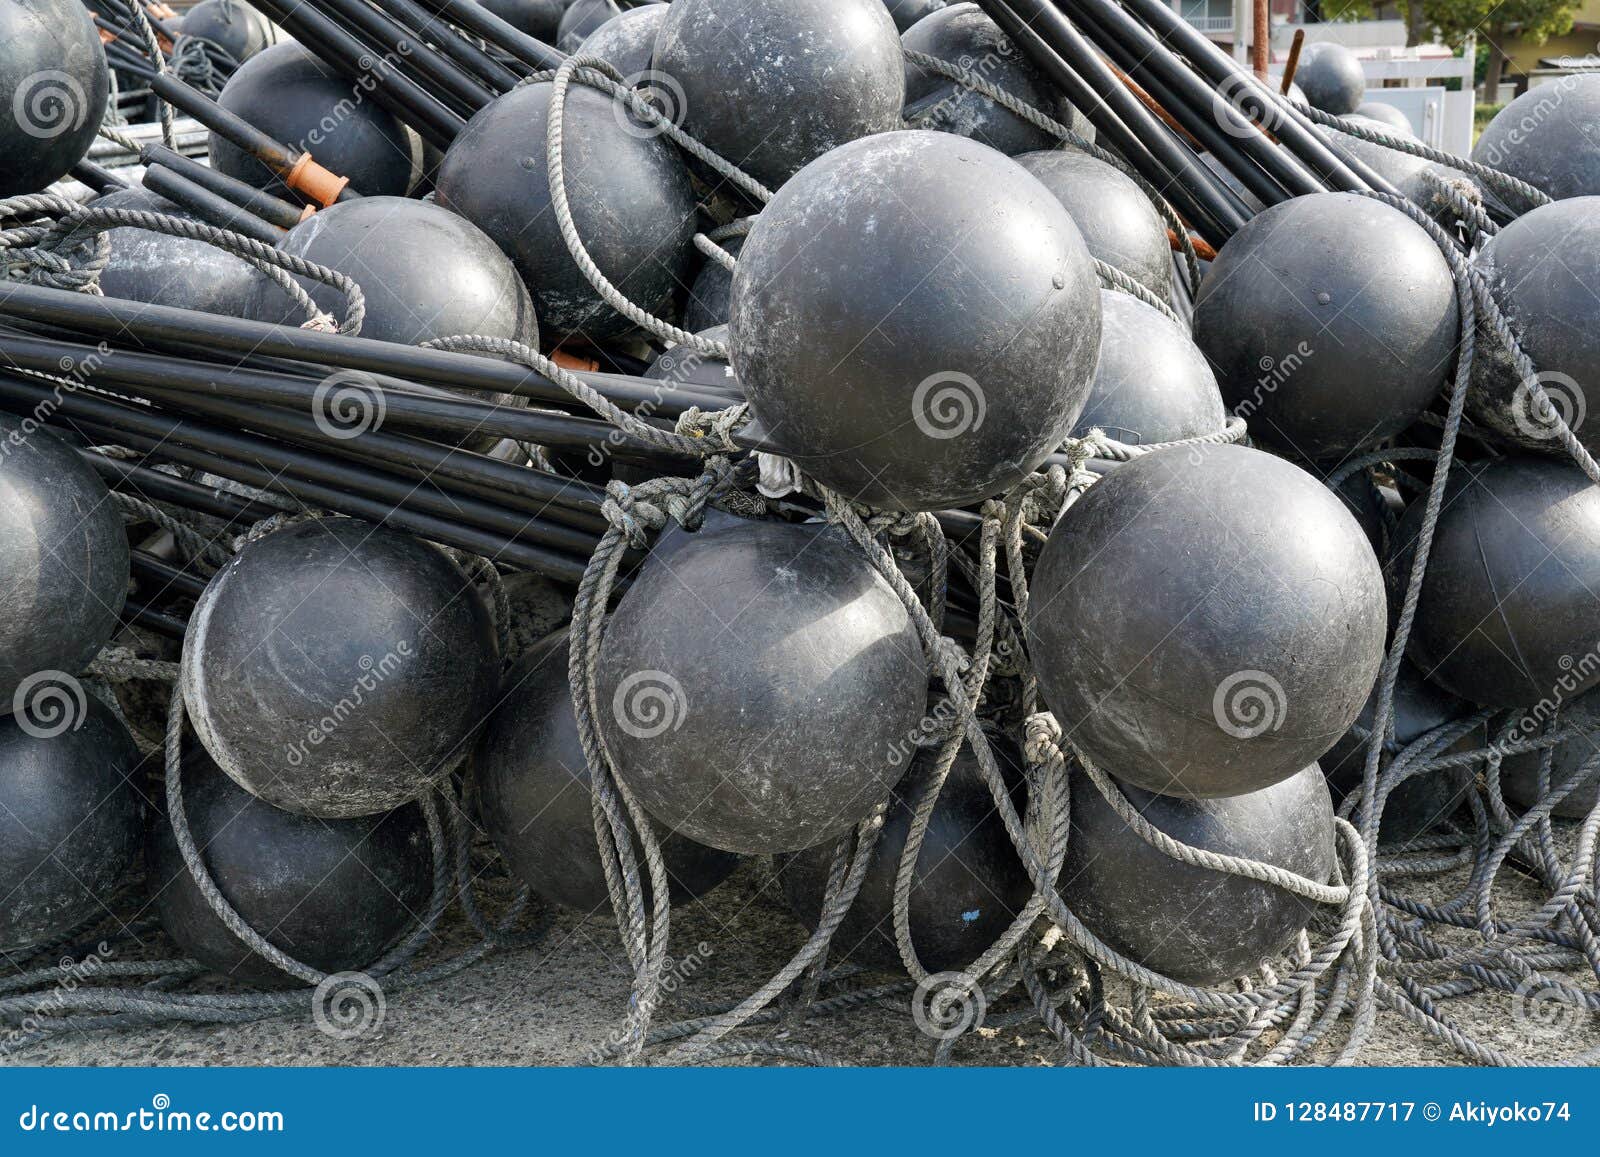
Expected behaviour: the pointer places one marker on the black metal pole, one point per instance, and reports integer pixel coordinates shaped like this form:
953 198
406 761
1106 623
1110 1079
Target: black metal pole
486 68
263 204
209 207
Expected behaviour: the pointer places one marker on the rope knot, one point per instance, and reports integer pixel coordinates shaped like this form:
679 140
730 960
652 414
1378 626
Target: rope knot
1043 738
716 426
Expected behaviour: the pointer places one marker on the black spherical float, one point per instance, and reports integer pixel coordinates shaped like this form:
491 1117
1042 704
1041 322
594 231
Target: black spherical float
710 295
582 18
1206 621
963 36
1422 801
54 82
684 366
798 79
232 25
338 669
71 813
533 792
1152 383
630 196
1549 137
1192 924
1119 224
63 558
627 42
332 894
293 97
907 12
540 19
754 682
968 886
1331 322
425 272
160 269
915 321
1510 598
1330 75
1544 272
1519 774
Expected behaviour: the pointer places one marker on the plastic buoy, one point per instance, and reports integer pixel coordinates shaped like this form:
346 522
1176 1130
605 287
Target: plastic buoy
630 196
71 813
915 321
710 295
1511 584
1331 322
1119 224
533 792
163 270
968 886
1152 383
425 272
1193 924
1544 272
1519 774
798 79
753 683
1424 800
963 36
905 13
1547 137
63 558
627 42
1386 114
332 894
1330 76
54 77
293 97
1206 621
338 669
232 25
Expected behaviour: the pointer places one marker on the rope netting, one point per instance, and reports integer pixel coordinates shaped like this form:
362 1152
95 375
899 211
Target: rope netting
1371 947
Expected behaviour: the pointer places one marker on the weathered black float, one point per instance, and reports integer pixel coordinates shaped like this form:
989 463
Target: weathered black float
323 711
53 74
71 811
1205 647
1546 137
1330 75
1152 383
1119 224
901 382
533 794
332 894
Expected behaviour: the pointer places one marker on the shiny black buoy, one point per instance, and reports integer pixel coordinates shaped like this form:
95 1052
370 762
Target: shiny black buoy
332 894
1546 137
71 812
232 25
798 79
627 42
55 82
533 793
754 682
1206 621
166 270
1512 592
915 321
63 557
629 192
338 669
1152 383
1193 924
963 36
1330 75
1119 224
1331 322
968 886
295 98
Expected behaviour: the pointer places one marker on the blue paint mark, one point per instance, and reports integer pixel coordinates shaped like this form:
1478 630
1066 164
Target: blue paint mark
969 917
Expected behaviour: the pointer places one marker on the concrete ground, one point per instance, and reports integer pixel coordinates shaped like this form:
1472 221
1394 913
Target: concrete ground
556 1003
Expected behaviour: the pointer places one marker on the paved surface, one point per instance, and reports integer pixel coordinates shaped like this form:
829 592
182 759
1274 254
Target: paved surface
558 1002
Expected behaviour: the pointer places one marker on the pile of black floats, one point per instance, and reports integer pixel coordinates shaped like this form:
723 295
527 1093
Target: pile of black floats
1104 544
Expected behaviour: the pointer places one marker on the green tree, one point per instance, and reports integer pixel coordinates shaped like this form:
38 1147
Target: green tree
1452 21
